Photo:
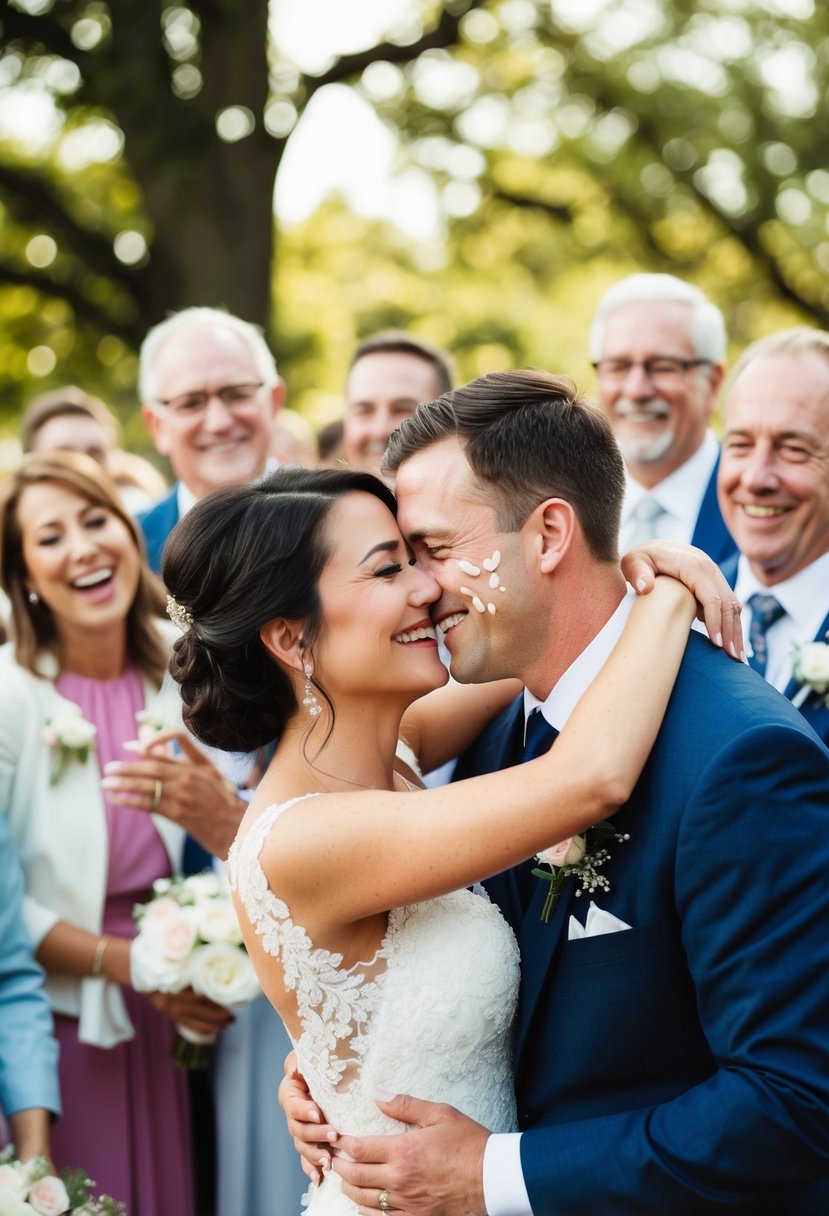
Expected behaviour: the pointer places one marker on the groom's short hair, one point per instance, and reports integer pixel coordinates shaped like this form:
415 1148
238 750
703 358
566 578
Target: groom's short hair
527 436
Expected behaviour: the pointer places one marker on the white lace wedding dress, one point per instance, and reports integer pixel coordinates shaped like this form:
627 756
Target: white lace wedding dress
429 1015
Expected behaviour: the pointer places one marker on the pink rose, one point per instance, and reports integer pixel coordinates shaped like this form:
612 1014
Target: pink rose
565 853
48 1196
158 910
176 935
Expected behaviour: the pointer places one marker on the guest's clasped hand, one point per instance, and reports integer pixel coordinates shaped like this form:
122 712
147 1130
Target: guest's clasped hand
184 786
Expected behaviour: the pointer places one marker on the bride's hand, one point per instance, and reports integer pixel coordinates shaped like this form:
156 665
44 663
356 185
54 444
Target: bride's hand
717 605
312 1137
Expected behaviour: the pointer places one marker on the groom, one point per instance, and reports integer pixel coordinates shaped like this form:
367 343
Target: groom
681 1063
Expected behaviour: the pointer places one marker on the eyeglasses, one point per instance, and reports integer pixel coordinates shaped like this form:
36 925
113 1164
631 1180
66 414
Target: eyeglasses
658 367
232 396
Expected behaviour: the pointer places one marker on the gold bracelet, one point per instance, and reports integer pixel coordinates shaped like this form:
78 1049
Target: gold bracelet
98 956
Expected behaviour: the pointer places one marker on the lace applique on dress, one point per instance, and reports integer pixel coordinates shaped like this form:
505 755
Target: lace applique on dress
429 1015
334 1003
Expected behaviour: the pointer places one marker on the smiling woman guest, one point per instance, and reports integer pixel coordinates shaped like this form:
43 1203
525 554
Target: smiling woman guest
87 653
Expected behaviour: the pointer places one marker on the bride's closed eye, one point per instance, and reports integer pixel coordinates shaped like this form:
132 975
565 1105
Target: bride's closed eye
388 571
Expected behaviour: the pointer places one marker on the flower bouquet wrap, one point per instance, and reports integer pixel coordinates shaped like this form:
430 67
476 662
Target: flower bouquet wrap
28 1188
188 936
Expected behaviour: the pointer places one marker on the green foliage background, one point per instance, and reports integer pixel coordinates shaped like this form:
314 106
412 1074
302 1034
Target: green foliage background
569 143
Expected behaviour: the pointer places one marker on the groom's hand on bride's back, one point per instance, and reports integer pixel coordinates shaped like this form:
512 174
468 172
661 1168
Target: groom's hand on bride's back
435 1169
312 1136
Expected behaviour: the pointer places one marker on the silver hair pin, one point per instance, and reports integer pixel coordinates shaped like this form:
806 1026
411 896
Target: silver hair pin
178 614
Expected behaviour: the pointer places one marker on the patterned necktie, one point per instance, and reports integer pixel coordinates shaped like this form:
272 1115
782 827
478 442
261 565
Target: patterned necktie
539 737
643 518
765 610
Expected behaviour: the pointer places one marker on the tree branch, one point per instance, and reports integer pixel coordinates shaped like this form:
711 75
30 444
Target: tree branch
33 199
443 35
84 308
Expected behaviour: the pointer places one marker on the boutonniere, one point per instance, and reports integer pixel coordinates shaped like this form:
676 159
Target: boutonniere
811 668
69 736
149 725
578 856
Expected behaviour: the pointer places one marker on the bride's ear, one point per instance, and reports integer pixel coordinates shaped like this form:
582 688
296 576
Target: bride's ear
283 639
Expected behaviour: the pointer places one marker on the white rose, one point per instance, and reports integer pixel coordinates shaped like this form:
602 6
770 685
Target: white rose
159 957
158 910
812 665
224 974
203 886
566 852
217 922
73 731
149 725
11 1205
49 1197
13 1179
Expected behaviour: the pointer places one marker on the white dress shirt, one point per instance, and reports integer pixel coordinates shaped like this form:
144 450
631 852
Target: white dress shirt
804 596
505 1192
680 495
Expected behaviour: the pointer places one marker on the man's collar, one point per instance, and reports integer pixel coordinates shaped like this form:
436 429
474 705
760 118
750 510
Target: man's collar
187 499
681 492
804 595
582 671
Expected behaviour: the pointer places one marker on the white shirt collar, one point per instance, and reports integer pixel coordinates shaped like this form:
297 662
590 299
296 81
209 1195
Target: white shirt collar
187 499
582 671
681 493
804 596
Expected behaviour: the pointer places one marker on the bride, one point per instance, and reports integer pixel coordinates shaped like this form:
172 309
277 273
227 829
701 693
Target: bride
307 620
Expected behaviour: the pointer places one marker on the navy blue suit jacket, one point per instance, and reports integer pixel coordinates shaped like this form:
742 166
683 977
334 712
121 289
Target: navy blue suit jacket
157 523
680 1066
710 533
814 708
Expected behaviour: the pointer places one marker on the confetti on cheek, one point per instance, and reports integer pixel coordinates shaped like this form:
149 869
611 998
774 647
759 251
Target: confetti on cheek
468 568
491 609
478 604
494 580
491 563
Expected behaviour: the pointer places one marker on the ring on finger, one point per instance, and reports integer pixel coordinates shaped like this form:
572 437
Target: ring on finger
384 1203
156 794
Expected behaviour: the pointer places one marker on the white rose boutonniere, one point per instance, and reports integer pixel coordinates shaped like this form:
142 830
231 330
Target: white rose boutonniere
811 668
581 856
70 736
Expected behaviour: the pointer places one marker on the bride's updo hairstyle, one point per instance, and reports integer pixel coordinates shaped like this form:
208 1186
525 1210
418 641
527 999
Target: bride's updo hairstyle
240 558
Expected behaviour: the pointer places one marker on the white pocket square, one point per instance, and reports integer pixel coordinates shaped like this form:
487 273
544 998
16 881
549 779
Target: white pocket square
598 922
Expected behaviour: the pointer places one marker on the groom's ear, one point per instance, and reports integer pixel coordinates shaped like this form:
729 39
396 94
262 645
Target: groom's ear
283 639
552 526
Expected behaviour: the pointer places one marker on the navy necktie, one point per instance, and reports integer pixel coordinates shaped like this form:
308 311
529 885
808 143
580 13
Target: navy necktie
765 611
539 736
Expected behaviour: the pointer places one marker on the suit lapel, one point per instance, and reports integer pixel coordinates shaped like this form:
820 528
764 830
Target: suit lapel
538 942
710 532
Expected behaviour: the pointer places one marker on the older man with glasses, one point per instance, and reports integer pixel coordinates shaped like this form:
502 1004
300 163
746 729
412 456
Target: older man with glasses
658 346
211 393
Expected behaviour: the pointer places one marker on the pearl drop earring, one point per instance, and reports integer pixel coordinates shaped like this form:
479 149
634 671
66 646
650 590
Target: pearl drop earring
310 699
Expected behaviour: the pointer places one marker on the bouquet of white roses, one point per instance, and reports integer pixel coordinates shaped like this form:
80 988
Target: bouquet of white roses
28 1188
188 936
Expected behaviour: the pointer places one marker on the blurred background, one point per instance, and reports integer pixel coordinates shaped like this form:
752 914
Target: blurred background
477 171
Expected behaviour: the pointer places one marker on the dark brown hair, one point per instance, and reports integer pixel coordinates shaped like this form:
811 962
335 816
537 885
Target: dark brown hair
242 557
33 627
398 342
69 401
527 436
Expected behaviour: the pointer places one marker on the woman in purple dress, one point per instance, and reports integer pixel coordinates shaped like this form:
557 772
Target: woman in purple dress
89 650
